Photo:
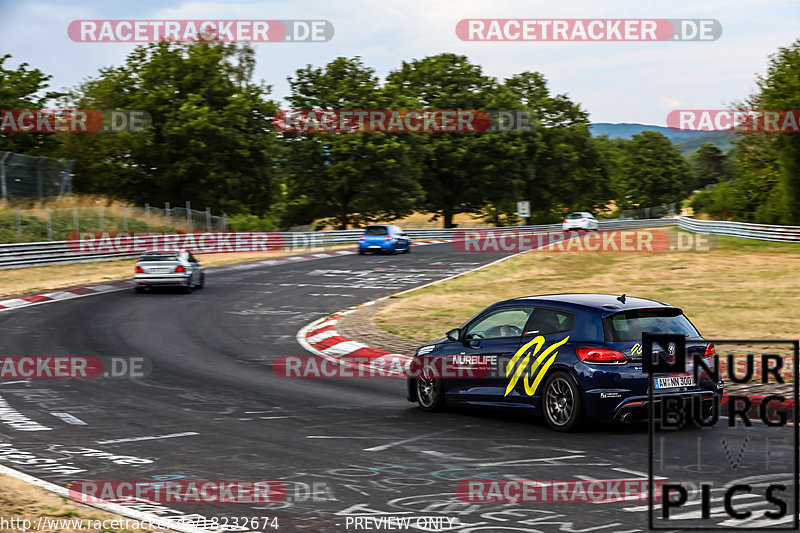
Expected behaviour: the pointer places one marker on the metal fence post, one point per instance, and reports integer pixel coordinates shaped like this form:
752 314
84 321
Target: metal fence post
125 217
3 187
189 215
19 227
100 217
208 219
147 216
49 225
169 215
39 184
65 188
75 218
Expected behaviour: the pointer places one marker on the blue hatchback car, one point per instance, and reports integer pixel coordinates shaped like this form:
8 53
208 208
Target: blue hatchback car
385 238
566 356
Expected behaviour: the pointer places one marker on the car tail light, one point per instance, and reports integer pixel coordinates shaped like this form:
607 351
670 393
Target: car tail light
583 220
362 238
565 221
601 356
711 351
180 268
139 270
388 238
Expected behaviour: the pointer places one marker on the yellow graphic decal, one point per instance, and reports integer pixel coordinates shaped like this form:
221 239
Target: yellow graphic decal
637 349
536 343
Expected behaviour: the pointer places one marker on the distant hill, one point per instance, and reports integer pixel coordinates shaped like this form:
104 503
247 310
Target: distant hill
687 141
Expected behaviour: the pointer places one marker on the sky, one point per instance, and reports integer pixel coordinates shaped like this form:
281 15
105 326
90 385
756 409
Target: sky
615 82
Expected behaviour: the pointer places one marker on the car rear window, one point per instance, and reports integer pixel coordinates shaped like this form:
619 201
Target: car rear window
159 257
573 216
376 230
628 326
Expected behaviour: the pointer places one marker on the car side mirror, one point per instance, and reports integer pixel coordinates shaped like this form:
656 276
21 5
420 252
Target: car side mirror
454 334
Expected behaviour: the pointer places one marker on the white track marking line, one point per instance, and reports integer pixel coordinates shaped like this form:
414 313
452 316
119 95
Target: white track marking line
70 419
389 438
636 473
153 437
397 443
518 461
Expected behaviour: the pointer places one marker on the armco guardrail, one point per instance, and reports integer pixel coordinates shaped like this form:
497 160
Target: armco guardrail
743 230
32 254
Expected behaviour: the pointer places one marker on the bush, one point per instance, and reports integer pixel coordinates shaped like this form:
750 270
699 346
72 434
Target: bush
245 222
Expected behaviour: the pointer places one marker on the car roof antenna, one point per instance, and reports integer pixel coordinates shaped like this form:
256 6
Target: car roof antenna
621 298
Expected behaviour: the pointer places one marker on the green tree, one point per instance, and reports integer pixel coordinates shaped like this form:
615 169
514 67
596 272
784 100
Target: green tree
708 165
462 172
347 178
565 170
210 141
780 90
24 88
654 171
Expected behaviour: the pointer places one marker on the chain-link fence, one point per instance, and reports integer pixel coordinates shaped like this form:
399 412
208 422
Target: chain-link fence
659 211
25 176
56 224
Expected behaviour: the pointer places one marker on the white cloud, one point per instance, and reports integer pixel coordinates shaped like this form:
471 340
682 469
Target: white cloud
615 82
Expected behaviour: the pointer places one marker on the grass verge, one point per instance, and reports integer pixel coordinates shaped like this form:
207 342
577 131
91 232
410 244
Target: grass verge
741 289
20 501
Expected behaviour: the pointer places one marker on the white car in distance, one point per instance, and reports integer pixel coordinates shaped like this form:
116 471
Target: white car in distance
580 220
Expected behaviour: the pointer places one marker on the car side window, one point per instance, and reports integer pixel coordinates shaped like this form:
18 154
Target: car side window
192 259
545 321
499 323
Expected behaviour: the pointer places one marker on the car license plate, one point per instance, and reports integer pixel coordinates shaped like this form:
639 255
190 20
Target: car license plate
374 246
672 382
159 270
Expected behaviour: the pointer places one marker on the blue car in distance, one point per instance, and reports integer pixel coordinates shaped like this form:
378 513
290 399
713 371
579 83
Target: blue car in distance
566 357
386 238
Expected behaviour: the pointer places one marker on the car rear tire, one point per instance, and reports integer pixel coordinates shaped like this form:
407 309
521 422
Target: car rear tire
202 281
138 290
430 393
187 289
561 402
361 252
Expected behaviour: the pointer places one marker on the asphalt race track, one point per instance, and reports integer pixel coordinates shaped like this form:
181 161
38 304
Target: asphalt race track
212 409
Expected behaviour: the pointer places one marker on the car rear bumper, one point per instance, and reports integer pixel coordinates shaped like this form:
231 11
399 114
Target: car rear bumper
385 246
167 280
638 408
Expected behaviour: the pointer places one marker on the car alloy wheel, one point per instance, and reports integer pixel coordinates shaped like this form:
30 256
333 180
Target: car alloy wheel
562 403
430 393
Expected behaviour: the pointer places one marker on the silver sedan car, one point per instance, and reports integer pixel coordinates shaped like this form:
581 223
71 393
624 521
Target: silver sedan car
169 268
